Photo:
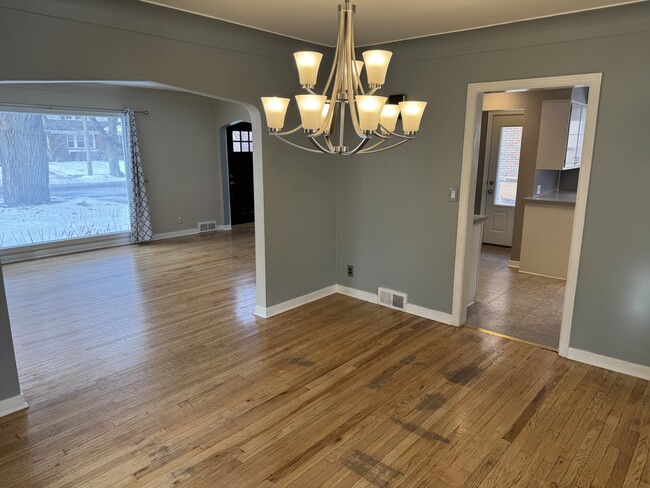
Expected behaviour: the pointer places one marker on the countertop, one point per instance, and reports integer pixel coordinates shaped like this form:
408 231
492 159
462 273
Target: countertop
567 198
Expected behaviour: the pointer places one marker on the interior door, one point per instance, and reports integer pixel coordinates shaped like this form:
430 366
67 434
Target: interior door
503 173
240 173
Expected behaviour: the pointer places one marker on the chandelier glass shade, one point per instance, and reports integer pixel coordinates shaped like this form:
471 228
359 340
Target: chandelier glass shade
323 115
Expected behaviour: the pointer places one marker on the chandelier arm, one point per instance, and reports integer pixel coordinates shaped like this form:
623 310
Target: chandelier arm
287 133
329 143
372 91
336 54
399 136
297 146
325 123
357 75
352 99
359 147
321 149
370 150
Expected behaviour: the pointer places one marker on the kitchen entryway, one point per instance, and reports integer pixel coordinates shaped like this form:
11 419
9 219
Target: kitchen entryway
517 305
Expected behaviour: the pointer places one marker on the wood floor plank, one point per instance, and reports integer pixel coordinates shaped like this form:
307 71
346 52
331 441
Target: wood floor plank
144 366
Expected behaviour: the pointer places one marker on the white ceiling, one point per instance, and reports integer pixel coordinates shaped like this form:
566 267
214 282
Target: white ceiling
378 21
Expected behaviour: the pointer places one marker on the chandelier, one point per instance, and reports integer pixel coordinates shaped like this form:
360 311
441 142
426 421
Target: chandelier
323 115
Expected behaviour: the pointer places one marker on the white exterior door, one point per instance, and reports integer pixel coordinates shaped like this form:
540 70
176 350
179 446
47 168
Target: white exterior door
502 176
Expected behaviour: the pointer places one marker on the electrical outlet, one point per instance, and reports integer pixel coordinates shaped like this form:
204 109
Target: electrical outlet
350 271
180 220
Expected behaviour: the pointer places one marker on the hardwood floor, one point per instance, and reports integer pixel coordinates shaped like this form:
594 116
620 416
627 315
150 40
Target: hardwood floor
144 366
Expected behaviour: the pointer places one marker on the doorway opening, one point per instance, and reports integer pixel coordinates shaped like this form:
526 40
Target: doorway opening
526 166
237 173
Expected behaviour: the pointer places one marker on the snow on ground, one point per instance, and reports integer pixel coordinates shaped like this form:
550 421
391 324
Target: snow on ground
82 206
64 218
76 172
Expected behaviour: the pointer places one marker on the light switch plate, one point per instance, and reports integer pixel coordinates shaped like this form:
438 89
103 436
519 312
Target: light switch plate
453 194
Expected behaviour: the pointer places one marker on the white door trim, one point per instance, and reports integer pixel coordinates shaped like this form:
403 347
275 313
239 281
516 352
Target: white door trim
473 112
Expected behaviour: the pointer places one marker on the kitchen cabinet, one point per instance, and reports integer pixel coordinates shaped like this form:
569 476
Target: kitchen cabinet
561 134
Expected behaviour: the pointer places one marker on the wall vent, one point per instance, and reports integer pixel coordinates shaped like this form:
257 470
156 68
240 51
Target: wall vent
207 226
392 298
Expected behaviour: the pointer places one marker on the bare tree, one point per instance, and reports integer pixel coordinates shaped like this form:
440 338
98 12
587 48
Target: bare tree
111 140
89 159
23 154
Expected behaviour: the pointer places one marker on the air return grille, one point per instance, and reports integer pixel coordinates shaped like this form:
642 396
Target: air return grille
392 298
207 226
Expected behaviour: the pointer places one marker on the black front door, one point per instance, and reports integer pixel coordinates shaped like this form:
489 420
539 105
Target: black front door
240 173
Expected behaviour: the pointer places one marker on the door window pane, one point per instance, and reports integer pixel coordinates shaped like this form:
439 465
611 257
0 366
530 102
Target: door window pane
236 147
505 192
57 190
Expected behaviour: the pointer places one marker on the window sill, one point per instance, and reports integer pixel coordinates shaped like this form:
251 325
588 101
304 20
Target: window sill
47 249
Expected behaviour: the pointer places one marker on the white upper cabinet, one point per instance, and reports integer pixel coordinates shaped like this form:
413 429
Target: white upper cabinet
561 134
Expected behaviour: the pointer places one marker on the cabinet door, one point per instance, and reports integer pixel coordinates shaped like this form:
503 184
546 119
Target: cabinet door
571 156
554 126
581 136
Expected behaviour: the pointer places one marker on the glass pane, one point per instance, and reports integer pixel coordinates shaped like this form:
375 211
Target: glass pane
58 194
236 146
250 135
505 192
244 147
235 135
251 146
244 135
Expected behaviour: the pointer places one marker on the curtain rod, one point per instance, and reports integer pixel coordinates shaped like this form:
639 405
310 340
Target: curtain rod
59 107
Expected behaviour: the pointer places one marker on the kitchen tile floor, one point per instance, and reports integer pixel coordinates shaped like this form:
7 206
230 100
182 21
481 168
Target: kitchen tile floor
515 304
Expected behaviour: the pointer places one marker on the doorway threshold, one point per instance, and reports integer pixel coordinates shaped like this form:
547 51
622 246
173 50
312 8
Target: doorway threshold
511 338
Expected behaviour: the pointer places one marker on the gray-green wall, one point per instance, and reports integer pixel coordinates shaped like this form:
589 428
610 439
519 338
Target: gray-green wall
8 374
396 226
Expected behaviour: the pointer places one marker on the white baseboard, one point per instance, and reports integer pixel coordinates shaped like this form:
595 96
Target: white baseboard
13 404
294 303
224 227
618 365
354 293
513 264
429 313
426 313
541 275
178 233
413 309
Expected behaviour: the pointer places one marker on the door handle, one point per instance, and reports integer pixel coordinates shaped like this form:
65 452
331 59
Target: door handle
490 191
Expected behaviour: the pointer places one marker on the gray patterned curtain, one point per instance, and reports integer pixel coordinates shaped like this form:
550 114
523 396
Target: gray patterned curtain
140 220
